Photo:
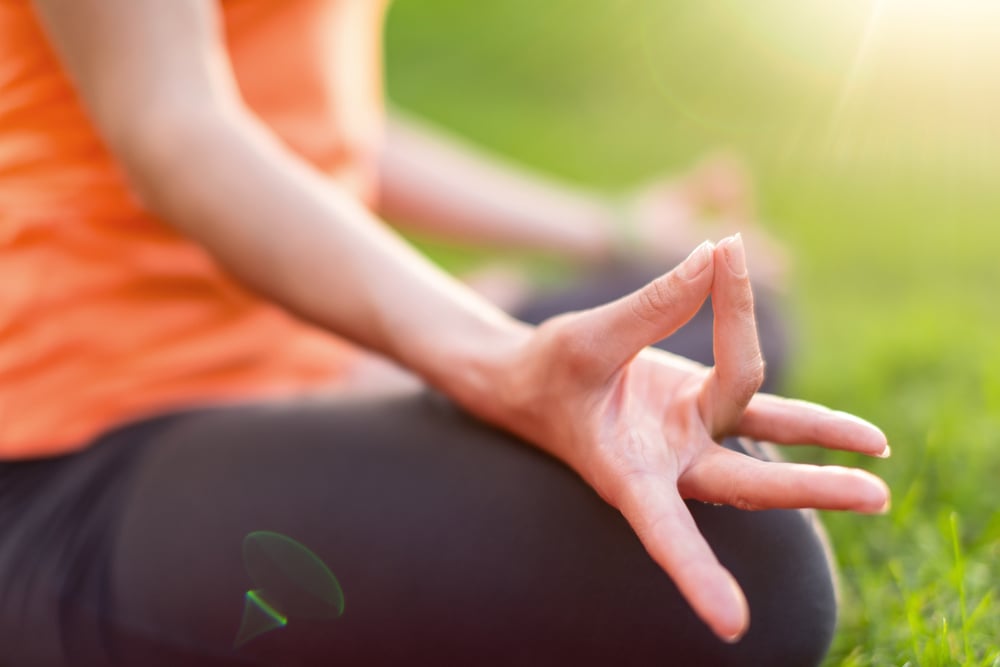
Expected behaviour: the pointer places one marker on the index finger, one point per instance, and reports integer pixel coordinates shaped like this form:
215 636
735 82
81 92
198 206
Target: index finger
665 527
739 365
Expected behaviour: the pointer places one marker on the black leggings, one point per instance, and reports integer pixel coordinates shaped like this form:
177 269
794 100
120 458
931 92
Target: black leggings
454 544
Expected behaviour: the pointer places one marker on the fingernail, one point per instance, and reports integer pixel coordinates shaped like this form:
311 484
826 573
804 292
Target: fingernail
735 255
886 453
697 261
740 603
733 639
887 503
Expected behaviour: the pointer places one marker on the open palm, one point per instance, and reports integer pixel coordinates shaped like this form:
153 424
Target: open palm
643 426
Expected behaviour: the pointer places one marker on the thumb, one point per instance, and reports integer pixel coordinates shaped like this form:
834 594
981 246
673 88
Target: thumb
653 312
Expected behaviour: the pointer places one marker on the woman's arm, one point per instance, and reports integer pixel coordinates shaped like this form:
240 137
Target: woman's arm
434 183
157 82
638 425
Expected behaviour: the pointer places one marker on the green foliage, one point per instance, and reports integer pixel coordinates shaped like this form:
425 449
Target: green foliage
877 162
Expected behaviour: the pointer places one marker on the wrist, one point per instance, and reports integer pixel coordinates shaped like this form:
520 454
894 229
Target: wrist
469 364
504 382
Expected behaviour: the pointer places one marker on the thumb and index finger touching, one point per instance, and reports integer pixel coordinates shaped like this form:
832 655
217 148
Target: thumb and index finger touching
655 311
661 307
739 365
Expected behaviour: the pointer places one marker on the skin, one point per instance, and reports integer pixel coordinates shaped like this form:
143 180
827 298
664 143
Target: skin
435 184
715 198
640 425
438 185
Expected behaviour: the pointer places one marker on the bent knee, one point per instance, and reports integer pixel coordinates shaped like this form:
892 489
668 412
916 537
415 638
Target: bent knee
781 561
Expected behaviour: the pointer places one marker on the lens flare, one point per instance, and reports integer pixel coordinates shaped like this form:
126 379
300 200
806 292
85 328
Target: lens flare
290 582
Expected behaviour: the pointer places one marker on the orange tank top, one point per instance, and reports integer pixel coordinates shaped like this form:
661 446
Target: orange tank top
108 315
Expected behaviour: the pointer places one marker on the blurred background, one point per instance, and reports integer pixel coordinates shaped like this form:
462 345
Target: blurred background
873 129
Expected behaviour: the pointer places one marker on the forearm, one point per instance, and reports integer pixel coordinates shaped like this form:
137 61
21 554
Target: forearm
173 117
288 233
437 185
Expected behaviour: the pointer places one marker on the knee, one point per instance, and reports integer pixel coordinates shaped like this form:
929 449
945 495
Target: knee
781 561
636 615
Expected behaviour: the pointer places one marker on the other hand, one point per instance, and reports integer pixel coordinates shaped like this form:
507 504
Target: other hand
713 199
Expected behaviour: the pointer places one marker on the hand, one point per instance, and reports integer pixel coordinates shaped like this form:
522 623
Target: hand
642 426
714 199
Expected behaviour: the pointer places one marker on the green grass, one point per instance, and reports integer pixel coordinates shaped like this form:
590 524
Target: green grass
887 196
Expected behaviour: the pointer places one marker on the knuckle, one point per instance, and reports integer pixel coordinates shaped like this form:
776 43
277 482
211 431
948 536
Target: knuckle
755 372
750 378
741 502
656 299
743 305
661 293
574 349
572 342
563 336
744 389
643 308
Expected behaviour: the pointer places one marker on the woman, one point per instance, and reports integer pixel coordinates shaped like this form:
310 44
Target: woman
188 239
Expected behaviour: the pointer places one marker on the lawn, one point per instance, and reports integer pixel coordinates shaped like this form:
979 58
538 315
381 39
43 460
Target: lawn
871 129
